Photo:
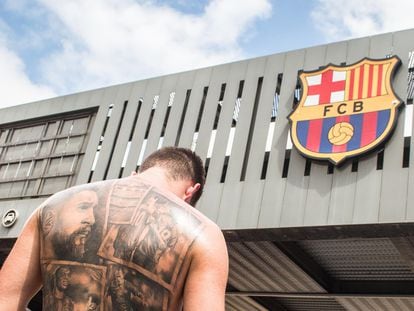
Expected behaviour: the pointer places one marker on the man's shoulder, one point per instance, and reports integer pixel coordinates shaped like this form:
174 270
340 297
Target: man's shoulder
98 186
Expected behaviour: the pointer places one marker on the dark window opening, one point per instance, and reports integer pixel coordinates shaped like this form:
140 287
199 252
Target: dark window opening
308 166
201 110
135 119
218 110
206 165
297 93
224 171
354 167
164 125
406 153
131 134
115 139
251 128
180 127
276 98
380 159
149 124
217 117
98 149
330 168
237 104
285 170
265 164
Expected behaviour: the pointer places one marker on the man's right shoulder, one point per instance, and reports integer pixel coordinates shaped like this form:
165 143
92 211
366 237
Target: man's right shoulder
210 239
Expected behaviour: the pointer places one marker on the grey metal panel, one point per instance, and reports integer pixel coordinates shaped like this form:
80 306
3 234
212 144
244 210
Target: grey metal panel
211 201
125 130
219 76
368 184
395 177
153 87
55 105
111 132
185 82
75 102
274 186
201 79
264 113
255 69
410 194
167 86
251 202
410 183
102 98
230 200
24 209
344 180
21 112
247 213
296 184
237 73
320 183
250 207
47 107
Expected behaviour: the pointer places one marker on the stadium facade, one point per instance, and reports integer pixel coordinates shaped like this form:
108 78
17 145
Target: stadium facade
302 234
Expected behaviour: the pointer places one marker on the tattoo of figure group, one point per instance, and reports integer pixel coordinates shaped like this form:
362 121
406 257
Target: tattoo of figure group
115 245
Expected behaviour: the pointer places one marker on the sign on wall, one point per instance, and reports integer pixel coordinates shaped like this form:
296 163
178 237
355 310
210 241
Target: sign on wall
9 218
345 111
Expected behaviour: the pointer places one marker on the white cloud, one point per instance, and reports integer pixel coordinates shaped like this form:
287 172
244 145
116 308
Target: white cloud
15 87
114 41
342 19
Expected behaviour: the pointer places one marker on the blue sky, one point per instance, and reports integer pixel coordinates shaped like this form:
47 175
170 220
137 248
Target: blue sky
50 48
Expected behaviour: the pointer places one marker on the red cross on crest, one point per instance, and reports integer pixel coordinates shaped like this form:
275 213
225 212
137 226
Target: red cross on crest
326 87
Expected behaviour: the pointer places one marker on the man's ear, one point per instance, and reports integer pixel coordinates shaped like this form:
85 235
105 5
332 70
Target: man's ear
189 192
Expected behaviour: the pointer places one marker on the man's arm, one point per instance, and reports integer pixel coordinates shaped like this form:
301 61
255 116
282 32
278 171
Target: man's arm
20 276
207 278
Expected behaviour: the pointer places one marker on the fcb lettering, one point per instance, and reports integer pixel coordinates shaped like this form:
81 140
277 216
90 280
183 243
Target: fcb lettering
345 111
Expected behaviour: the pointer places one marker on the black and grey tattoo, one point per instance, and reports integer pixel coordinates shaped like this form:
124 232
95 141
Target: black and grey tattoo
115 245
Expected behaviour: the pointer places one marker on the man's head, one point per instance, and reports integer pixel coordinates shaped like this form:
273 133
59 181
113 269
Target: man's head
180 164
62 278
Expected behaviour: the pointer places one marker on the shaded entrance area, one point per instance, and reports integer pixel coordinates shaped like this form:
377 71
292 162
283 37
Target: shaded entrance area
358 267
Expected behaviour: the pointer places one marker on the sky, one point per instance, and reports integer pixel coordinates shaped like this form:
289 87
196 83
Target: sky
50 48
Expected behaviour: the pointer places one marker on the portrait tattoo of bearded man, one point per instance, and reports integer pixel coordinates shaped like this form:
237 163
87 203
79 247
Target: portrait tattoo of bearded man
68 225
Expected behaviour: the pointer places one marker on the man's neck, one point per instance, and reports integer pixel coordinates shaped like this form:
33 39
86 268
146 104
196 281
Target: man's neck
159 178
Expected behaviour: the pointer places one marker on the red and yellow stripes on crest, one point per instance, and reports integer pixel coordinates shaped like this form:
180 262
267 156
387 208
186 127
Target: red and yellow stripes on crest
366 80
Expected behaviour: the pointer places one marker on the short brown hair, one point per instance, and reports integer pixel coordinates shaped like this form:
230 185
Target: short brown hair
180 163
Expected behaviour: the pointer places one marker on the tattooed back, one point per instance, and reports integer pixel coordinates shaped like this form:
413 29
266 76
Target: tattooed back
116 245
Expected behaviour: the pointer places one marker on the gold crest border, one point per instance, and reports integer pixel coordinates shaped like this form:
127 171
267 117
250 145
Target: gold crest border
338 158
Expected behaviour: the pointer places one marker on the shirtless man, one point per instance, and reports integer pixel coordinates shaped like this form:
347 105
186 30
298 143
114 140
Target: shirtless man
134 243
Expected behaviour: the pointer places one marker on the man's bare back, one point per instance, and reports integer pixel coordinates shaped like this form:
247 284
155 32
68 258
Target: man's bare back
127 244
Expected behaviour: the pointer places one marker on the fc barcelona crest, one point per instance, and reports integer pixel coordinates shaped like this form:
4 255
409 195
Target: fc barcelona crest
345 111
